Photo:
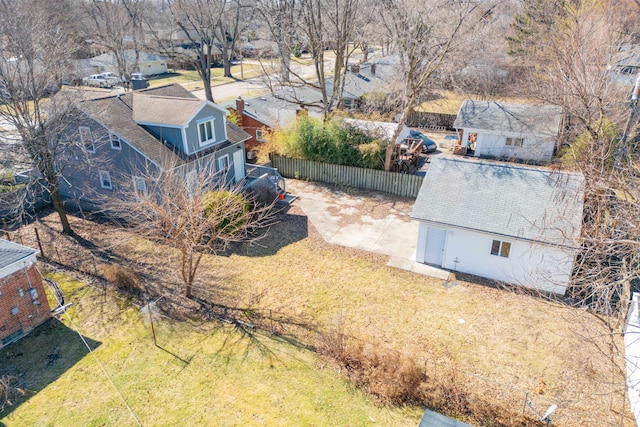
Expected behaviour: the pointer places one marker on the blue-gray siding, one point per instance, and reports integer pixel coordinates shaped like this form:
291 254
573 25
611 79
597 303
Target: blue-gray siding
173 136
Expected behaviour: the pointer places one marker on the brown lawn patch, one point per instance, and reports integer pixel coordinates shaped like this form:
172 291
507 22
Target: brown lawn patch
500 344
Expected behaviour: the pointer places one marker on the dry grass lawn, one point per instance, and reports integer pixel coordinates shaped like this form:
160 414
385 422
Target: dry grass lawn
502 344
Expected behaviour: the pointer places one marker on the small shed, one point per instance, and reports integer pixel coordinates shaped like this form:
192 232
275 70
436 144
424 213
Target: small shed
23 303
506 222
524 132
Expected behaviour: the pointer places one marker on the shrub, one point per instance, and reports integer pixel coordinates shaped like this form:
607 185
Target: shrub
331 142
121 278
226 211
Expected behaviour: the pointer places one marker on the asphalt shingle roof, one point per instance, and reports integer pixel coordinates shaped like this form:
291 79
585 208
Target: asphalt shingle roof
278 109
511 200
116 113
11 253
543 121
165 110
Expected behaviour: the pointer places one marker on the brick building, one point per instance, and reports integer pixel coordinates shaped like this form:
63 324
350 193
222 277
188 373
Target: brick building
251 124
23 303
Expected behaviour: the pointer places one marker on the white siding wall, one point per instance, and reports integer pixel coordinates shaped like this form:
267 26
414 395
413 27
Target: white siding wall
531 265
492 144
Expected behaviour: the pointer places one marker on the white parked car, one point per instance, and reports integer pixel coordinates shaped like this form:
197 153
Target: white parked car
111 78
100 80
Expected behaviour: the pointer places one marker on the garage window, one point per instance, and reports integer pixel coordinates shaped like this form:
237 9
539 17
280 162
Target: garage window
514 142
499 248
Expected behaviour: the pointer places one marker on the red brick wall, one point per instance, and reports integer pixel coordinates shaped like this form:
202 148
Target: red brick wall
250 125
29 314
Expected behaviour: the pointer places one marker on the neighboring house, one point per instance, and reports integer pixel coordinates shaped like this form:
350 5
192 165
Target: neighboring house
183 56
505 222
149 64
23 303
279 109
160 129
251 124
259 49
367 78
523 132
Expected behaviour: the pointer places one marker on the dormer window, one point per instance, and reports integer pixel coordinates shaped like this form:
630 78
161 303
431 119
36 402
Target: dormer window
206 131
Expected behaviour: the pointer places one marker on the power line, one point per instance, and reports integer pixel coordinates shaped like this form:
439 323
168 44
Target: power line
75 329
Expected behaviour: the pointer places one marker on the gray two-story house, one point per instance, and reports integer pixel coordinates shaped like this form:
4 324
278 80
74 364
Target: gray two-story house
127 137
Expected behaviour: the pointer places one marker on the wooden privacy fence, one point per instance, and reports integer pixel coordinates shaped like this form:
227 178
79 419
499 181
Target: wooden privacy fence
419 119
368 179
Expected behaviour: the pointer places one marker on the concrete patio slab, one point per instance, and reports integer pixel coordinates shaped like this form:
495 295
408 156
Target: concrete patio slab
373 222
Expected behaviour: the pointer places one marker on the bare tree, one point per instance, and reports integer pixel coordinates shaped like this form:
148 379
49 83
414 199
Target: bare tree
232 24
35 49
281 16
197 21
342 15
424 34
568 68
319 26
117 26
195 212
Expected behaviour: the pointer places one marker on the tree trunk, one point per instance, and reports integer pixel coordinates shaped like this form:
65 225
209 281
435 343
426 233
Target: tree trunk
187 290
226 64
285 64
391 145
56 199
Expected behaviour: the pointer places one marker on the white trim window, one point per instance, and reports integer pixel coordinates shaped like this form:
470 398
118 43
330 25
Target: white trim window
206 131
116 144
223 163
261 135
514 142
105 180
140 186
499 248
86 138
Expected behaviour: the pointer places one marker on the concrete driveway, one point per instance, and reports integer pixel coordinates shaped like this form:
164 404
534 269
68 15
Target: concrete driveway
364 220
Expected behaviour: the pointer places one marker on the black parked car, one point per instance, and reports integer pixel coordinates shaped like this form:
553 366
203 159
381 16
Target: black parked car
428 144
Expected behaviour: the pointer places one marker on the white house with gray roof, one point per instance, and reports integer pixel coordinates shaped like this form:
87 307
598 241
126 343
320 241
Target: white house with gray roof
506 222
524 132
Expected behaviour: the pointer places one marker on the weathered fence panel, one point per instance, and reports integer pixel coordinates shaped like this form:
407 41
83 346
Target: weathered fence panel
421 119
367 179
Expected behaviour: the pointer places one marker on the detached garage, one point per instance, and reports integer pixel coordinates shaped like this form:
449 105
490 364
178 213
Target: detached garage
505 222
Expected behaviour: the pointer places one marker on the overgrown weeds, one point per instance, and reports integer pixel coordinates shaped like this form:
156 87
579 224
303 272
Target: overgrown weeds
123 279
394 378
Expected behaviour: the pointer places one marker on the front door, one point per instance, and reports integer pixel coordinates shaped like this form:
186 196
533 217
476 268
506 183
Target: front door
238 165
436 238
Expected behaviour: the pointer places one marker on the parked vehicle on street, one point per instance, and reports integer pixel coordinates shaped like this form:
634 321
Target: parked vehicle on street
99 80
111 78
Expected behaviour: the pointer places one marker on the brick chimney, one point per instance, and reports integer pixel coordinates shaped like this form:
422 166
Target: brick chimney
373 68
355 69
239 109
